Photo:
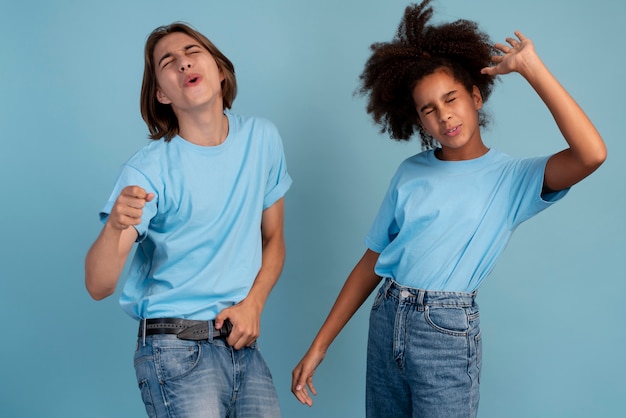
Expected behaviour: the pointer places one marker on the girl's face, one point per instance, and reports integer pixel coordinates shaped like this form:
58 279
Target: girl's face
449 113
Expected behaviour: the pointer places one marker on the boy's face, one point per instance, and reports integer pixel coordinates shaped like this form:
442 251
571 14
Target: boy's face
187 75
449 113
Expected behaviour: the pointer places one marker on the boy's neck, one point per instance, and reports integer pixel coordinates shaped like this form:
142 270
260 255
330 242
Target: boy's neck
206 129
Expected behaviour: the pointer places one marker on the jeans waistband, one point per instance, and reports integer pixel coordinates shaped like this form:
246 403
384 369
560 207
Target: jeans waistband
423 297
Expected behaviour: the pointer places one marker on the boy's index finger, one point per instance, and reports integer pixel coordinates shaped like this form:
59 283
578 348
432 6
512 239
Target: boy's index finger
136 191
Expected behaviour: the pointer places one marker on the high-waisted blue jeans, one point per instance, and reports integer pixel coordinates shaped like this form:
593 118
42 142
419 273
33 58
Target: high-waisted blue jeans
423 355
203 379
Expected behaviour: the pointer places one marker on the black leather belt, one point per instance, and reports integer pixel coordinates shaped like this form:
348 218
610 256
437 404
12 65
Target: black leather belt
184 329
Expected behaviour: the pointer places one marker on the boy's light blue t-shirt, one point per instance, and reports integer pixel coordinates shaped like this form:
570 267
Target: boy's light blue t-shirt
199 240
443 224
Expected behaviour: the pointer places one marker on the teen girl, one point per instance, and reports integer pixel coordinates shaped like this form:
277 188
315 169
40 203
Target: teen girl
448 213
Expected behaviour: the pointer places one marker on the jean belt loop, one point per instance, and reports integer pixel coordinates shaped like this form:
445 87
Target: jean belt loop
387 286
211 330
144 322
420 298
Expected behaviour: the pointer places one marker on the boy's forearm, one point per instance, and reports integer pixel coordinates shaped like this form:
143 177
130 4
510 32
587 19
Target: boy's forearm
273 259
104 262
273 255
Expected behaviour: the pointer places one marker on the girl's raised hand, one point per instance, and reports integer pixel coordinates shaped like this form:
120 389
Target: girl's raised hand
517 56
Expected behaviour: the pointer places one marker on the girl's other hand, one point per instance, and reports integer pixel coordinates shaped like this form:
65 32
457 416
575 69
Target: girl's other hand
302 376
518 56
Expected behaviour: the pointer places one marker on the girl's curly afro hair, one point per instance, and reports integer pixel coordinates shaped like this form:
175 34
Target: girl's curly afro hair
417 50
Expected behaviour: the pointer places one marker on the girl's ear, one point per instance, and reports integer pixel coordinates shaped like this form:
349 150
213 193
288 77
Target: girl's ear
421 125
162 98
477 97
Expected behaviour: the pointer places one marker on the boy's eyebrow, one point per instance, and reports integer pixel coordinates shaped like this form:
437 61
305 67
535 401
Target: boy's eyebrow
169 54
444 97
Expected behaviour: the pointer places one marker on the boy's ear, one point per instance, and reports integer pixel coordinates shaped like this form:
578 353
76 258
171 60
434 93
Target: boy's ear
162 98
477 97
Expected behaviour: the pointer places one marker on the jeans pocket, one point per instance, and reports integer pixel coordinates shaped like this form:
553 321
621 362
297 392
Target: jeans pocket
177 361
447 320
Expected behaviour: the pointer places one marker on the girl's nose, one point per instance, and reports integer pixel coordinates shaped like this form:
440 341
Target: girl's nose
185 66
445 115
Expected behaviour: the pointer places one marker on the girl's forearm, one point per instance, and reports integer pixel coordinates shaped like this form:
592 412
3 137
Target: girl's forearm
358 286
587 150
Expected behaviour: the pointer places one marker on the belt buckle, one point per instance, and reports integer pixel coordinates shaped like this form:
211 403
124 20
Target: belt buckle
223 332
195 332
201 331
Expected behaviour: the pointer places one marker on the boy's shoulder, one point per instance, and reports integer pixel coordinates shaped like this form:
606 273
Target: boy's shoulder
244 121
155 146
255 129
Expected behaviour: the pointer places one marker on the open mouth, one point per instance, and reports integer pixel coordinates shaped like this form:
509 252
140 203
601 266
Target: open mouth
192 79
453 131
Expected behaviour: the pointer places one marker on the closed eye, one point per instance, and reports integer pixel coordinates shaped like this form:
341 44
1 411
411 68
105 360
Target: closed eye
427 110
193 49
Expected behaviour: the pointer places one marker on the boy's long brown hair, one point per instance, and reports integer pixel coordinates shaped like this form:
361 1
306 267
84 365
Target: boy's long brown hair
160 118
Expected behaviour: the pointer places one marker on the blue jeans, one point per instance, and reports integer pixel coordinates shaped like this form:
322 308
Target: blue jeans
423 354
203 379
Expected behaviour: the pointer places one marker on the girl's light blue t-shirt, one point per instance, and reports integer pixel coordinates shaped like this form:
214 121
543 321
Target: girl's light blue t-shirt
443 224
199 244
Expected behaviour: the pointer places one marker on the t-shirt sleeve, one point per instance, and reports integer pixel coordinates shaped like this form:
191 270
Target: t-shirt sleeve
278 179
384 228
527 197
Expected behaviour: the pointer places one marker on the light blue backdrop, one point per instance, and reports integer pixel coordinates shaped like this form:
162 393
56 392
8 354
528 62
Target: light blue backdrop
70 73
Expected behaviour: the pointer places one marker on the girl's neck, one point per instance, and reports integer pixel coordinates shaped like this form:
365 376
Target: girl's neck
461 154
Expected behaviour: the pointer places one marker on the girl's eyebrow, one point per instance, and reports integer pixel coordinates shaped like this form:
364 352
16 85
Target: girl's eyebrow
169 54
444 97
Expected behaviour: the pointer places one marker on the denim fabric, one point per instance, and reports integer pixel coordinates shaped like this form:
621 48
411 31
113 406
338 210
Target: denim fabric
423 355
203 379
